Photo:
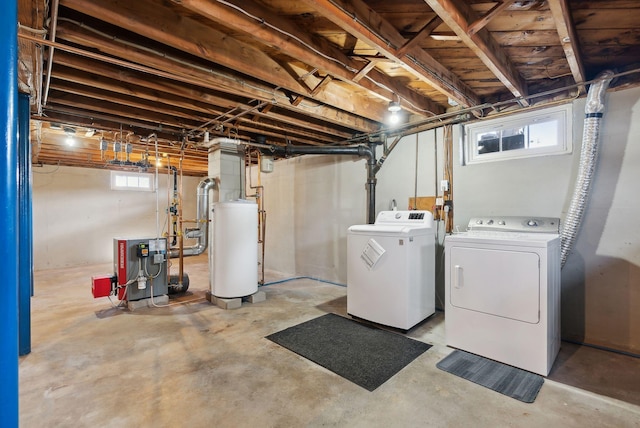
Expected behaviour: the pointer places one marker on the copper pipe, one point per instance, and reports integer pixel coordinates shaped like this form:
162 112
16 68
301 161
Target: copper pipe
180 235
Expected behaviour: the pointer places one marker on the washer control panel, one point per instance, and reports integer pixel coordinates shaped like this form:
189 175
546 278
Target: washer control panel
516 224
404 217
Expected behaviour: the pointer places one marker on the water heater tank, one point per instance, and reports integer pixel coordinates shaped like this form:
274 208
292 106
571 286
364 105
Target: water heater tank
233 258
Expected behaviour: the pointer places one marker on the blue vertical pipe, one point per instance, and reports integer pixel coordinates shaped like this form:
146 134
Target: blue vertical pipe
25 246
9 214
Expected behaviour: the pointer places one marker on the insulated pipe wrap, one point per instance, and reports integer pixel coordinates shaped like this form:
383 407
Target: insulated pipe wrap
594 109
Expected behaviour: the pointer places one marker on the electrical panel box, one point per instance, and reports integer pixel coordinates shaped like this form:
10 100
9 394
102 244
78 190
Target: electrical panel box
133 257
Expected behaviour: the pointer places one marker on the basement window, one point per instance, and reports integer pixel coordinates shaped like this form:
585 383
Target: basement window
529 134
131 181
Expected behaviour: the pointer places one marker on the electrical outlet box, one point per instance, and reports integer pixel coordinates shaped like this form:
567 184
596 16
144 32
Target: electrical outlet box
444 185
439 202
158 258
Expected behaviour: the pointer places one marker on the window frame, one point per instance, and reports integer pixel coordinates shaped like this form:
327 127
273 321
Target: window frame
127 175
563 114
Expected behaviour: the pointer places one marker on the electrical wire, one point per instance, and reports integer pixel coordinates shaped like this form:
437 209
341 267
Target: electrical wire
292 36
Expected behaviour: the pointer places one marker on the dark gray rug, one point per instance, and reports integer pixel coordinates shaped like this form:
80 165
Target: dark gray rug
513 382
367 356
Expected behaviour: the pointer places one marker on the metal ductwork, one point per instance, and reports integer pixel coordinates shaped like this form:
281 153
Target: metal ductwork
588 156
360 150
201 232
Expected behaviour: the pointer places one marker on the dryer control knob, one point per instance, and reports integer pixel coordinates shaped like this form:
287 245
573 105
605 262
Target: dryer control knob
478 221
501 223
490 222
532 223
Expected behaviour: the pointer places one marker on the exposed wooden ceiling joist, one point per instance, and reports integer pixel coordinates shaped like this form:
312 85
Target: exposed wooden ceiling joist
457 15
482 21
568 38
181 71
193 37
360 20
131 82
288 38
318 72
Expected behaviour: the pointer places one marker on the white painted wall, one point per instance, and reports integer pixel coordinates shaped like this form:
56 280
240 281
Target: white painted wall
600 281
312 200
76 215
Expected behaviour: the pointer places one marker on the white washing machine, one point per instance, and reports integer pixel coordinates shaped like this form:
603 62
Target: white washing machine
391 269
502 290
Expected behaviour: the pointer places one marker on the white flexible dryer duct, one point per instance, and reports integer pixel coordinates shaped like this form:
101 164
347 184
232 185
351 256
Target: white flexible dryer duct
588 156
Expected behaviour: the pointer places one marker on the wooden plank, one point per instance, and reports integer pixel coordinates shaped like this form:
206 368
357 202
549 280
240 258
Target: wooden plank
456 14
587 19
481 22
569 39
220 81
291 40
426 203
610 37
526 38
205 42
365 69
181 95
422 34
361 21
163 103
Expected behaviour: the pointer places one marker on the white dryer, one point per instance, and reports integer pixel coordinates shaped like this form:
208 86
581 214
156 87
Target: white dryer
502 290
391 269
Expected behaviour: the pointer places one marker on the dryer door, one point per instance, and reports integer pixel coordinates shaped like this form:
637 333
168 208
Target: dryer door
496 282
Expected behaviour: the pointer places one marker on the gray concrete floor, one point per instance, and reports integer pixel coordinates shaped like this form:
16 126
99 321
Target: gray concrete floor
194 364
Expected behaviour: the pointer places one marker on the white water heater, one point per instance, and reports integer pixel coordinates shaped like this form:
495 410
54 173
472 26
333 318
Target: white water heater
233 254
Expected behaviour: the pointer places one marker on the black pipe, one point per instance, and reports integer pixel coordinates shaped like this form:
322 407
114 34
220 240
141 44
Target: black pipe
371 184
288 150
361 150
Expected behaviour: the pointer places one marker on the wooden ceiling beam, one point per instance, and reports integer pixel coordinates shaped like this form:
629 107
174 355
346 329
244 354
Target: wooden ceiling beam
72 68
161 107
287 37
115 109
568 38
481 22
365 69
193 37
219 81
422 34
457 14
358 19
76 118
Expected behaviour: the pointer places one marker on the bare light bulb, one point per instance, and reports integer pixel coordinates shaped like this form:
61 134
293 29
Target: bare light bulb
70 141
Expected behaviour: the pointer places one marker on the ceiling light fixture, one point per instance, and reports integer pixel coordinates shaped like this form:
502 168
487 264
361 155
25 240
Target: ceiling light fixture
394 107
70 133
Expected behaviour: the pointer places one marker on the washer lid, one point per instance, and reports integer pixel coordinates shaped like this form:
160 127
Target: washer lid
383 229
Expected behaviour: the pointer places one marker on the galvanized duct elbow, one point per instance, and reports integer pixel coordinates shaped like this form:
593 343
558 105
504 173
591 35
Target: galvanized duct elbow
201 232
588 156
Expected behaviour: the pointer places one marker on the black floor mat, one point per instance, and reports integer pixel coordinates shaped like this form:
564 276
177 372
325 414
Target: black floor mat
511 381
367 356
